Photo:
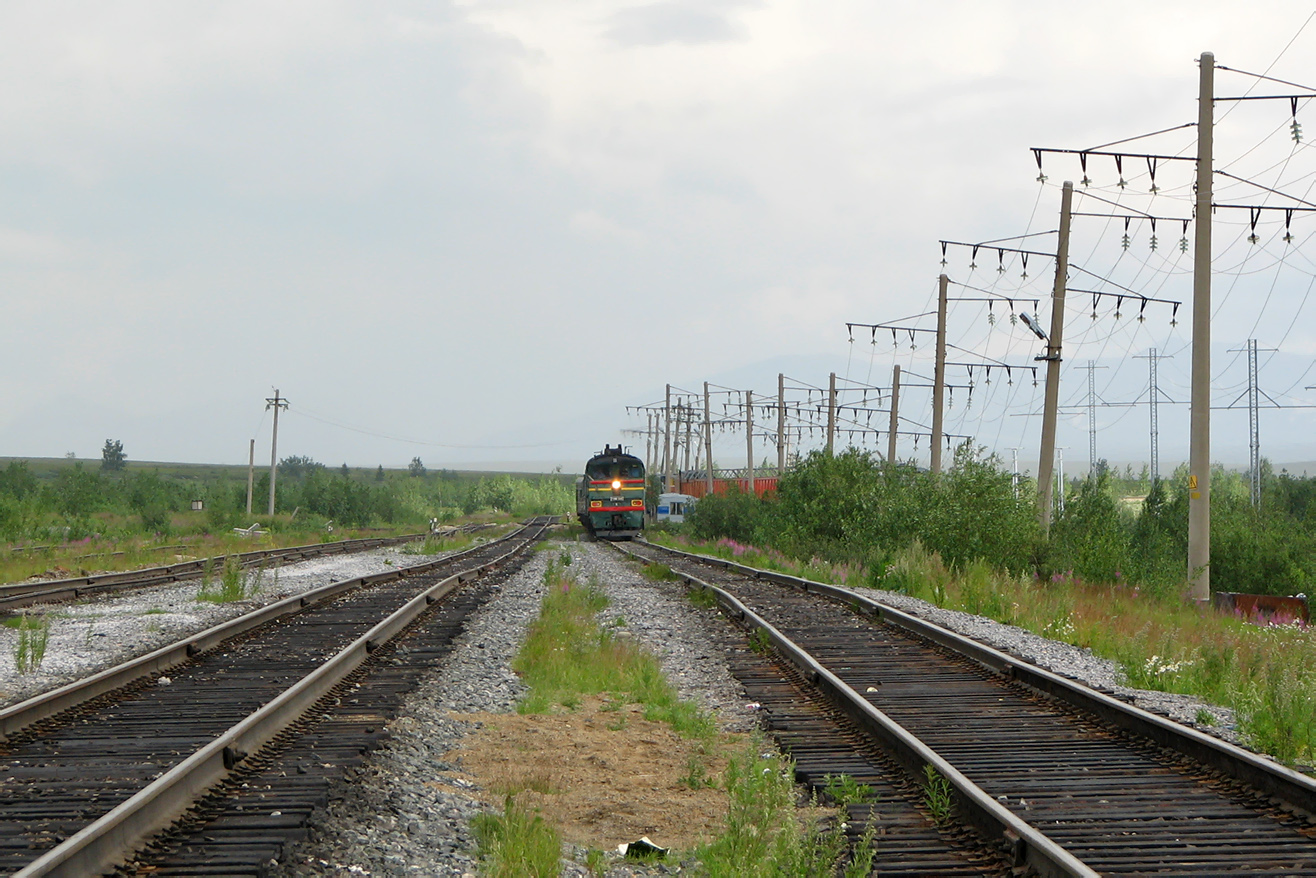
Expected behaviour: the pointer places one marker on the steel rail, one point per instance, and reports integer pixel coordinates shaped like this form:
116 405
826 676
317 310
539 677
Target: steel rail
19 594
1295 789
19 716
110 839
1028 846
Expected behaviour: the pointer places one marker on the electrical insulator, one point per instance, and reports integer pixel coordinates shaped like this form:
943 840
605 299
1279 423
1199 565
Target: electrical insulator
991 319
1122 183
1124 242
1183 244
1041 178
1295 129
1288 237
1154 189
1253 238
1086 181
1153 243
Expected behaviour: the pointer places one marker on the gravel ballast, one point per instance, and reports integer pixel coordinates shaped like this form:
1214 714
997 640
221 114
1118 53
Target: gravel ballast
402 811
402 815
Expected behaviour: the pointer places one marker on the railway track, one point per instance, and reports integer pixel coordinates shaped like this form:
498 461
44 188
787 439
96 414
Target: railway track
1063 779
252 720
16 595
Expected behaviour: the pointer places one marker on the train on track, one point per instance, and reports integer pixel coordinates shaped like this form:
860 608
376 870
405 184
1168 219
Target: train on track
610 496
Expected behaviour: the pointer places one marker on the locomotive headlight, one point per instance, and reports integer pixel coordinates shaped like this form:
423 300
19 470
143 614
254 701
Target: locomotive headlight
616 484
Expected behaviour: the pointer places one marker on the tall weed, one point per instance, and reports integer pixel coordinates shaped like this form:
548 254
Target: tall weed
30 647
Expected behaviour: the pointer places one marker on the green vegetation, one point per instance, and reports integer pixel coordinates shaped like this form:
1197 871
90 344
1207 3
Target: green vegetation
845 790
856 509
516 843
567 654
1111 577
437 544
658 573
30 647
765 835
235 583
760 642
65 514
937 795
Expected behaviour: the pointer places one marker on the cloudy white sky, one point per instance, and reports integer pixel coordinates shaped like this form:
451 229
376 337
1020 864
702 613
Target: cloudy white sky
477 231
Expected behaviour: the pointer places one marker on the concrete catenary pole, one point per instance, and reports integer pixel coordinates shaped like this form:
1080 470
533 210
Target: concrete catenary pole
1199 445
251 473
749 438
895 417
831 414
648 441
1047 455
708 447
667 441
276 403
685 414
781 424
939 375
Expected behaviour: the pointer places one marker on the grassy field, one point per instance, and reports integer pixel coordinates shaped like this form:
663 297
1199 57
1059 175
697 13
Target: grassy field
62 517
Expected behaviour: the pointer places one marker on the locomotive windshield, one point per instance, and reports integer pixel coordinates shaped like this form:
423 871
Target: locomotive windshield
604 470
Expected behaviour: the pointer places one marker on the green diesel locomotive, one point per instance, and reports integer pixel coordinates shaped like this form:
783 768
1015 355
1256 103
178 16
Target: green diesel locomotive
610 496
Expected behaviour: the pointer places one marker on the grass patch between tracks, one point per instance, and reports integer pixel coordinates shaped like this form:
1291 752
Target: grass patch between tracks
603 751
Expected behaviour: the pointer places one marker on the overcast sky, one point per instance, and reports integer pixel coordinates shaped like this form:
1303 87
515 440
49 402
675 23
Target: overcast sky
477 231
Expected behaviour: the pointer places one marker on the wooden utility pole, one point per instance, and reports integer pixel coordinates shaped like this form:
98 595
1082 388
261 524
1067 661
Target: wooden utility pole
251 473
939 375
708 446
1046 460
895 420
276 403
749 437
781 424
831 414
1199 447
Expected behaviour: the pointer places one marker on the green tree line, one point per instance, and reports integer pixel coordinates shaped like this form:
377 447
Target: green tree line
68 504
853 507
